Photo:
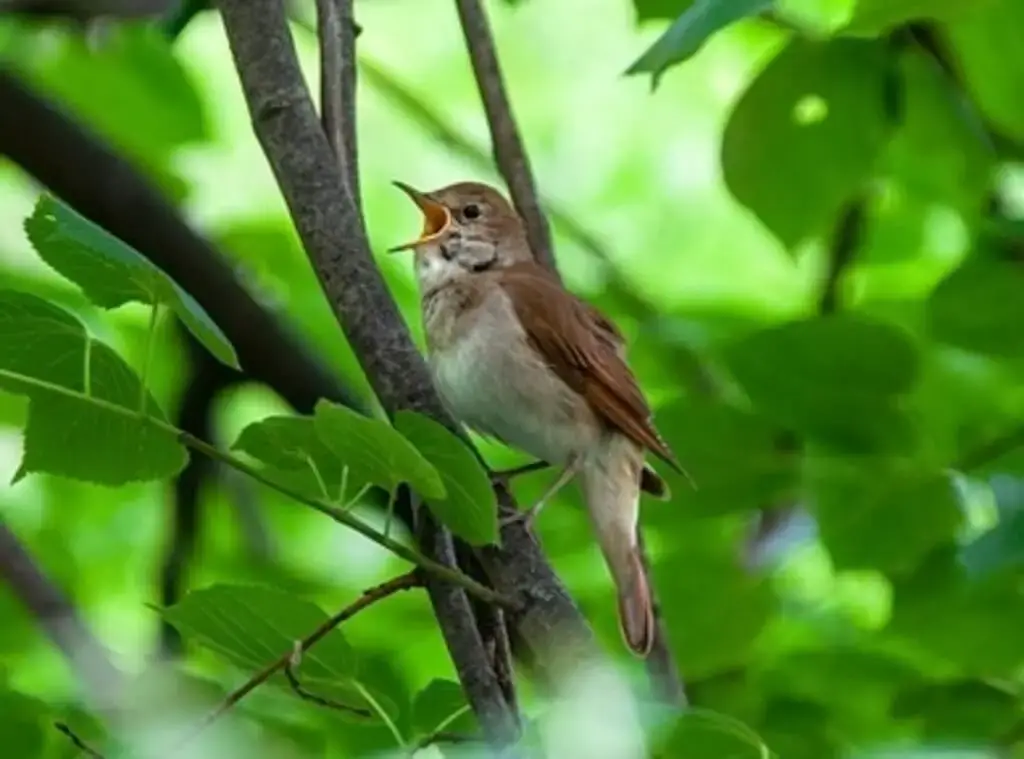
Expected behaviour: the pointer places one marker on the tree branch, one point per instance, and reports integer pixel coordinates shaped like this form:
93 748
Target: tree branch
336 33
509 153
328 221
89 659
368 598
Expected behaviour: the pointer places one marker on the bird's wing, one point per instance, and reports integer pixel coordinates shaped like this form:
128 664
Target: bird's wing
583 348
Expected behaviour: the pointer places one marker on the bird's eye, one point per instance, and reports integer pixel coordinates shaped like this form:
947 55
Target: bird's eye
472 211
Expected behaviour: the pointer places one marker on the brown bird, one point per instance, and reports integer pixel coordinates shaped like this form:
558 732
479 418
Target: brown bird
518 357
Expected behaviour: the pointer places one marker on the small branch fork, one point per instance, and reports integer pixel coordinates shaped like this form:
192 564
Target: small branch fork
285 660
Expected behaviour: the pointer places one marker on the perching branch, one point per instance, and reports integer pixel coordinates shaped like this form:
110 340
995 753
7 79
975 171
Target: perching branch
368 598
88 658
330 225
509 152
510 155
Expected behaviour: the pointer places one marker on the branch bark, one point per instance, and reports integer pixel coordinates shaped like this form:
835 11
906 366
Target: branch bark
507 144
326 215
514 165
89 659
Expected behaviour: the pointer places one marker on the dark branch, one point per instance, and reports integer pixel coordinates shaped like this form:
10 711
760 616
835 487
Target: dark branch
331 228
509 153
60 621
661 665
368 598
87 9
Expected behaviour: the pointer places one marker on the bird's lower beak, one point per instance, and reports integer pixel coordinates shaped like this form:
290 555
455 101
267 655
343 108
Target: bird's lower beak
436 218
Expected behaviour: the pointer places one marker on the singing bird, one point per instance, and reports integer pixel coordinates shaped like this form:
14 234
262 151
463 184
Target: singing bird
516 356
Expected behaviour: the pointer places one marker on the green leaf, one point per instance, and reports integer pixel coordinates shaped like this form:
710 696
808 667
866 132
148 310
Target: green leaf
375 451
960 711
111 273
24 725
295 456
252 626
689 32
875 17
67 435
986 45
816 117
469 509
1001 548
657 9
703 734
880 515
736 458
442 706
978 308
838 379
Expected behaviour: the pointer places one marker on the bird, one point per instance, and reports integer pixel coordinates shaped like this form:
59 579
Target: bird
518 357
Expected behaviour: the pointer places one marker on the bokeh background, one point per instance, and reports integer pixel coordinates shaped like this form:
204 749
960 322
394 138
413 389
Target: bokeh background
821 284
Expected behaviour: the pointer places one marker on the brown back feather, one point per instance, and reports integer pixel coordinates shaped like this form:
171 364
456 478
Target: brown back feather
585 349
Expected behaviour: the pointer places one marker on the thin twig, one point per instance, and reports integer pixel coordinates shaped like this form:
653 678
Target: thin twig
305 695
440 570
336 32
368 598
661 666
443 736
80 744
509 152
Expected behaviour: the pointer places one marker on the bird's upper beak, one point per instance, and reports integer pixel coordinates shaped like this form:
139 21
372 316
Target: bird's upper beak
436 218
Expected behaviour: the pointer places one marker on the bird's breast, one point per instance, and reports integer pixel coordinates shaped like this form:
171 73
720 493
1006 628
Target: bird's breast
494 381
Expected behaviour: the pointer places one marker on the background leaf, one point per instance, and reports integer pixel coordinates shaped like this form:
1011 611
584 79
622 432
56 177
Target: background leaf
69 436
469 509
819 109
697 22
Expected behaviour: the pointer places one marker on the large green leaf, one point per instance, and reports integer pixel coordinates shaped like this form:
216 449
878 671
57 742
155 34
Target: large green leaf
986 45
375 451
442 706
805 136
65 433
469 508
112 273
838 379
252 626
960 711
688 33
24 725
296 456
881 515
979 308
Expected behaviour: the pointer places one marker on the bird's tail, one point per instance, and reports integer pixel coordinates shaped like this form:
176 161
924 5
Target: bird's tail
611 488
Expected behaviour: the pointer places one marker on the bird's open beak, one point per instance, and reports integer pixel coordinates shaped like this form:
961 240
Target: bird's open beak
436 218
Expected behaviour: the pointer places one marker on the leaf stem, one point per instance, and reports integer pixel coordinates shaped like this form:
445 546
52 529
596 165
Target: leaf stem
437 569
147 361
385 718
87 368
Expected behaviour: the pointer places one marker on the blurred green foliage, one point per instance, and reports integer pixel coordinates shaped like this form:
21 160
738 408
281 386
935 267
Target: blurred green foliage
813 237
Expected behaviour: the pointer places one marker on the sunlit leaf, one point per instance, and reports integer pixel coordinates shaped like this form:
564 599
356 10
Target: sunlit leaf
469 509
688 33
817 115
66 434
112 273
375 451
442 706
703 734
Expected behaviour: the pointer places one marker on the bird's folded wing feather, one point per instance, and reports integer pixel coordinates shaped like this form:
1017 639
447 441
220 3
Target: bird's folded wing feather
585 349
